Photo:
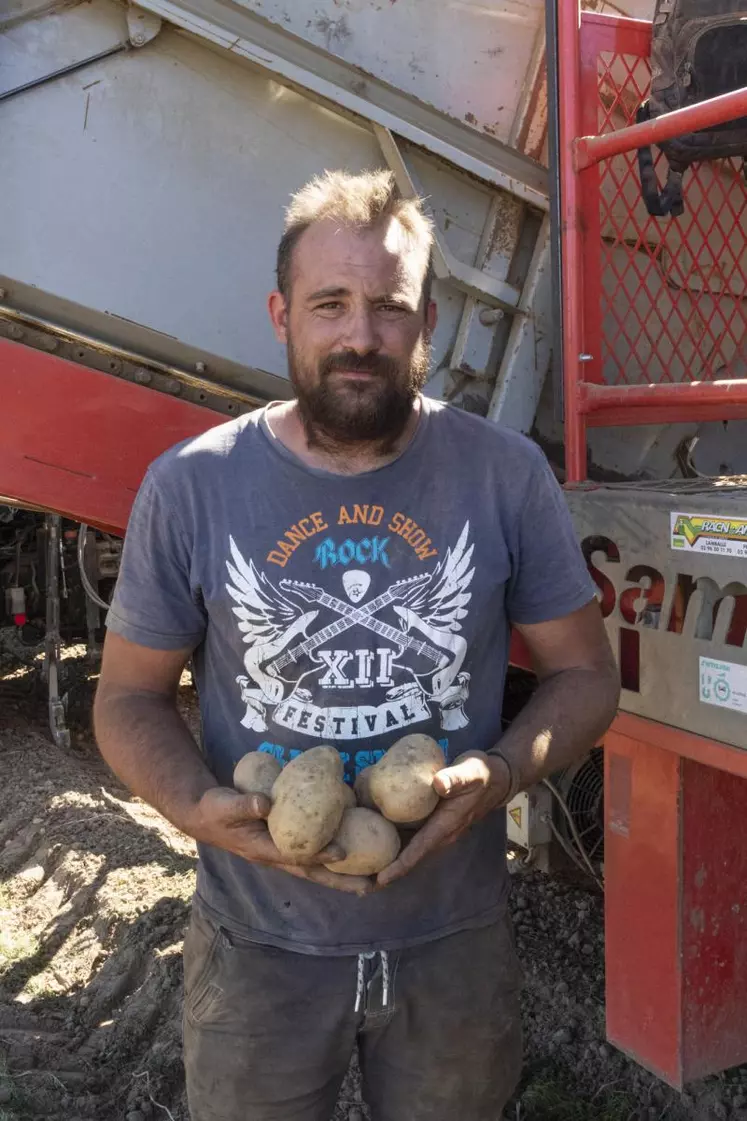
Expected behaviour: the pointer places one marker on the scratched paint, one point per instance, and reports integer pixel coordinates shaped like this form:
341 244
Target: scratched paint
472 56
335 32
714 877
697 919
467 58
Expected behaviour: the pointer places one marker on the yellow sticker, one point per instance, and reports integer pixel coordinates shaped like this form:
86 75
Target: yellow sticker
717 534
516 816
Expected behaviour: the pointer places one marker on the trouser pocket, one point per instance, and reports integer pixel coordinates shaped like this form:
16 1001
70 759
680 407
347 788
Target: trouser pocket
202 948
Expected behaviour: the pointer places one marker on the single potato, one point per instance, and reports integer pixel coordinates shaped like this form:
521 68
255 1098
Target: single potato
256 772
370 841
308 800
401 784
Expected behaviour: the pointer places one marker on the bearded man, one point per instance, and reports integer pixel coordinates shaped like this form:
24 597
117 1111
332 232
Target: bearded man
345 568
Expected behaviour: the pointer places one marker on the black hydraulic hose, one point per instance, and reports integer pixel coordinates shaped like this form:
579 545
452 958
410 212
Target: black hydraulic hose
62 71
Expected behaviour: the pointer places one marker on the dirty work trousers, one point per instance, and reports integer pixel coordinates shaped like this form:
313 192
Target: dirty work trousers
268 1034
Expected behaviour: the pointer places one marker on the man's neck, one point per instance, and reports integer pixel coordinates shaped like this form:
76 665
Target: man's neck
284 422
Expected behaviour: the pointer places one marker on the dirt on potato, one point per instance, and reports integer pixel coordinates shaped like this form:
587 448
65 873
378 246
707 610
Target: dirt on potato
95 890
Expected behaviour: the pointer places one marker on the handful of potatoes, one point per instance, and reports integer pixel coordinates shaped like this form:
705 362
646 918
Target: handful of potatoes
312 805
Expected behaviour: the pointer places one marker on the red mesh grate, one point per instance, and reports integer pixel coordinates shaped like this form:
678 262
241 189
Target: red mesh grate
672 292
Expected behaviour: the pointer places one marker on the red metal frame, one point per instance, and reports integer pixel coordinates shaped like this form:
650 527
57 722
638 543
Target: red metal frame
571 224
670 346
589 150
687 745
684 401
653 315
88 469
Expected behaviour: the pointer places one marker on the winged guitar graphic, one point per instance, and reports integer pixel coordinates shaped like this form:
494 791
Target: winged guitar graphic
437 608
278 630
268 622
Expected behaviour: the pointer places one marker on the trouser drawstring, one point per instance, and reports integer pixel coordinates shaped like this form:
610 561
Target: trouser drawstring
361 979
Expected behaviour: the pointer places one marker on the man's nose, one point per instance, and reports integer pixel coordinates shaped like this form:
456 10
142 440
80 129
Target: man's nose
361 334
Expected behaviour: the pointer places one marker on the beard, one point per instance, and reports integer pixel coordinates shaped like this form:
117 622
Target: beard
376 410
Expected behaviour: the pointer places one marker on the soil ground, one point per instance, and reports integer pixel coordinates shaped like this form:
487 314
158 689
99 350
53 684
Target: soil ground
95 891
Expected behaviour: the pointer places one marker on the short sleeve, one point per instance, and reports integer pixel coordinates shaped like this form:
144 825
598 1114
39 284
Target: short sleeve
154 603
550 578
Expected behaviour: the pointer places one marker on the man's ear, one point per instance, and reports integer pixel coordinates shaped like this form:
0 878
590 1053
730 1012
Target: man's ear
277 305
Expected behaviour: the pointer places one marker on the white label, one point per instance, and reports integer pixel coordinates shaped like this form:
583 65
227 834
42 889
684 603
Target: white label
723 684
717 534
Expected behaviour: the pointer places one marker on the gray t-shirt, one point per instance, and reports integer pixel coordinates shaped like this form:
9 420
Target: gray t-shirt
349 610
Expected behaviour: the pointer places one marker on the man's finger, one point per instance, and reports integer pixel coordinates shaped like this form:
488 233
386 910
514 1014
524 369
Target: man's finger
333 852
436 831
234 809
268 853
261 805
355 885
467 773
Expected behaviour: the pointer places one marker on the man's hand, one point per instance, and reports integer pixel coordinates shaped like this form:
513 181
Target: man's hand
149 747
473 786
237 823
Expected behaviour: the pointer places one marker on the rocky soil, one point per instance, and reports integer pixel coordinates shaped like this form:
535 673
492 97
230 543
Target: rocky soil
94 898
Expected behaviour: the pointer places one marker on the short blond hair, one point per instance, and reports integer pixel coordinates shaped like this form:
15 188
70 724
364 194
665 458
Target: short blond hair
360 201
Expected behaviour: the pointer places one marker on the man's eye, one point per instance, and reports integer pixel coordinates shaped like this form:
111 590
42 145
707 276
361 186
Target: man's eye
330 305
392 309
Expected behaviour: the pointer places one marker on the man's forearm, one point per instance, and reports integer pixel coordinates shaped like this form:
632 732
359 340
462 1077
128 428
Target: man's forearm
566 717
149 747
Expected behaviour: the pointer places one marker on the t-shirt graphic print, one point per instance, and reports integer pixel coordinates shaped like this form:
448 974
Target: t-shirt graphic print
307 652
349 610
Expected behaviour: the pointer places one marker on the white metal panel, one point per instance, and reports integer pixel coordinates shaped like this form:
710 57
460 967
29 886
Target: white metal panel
459 205
317 73
637 9
34 48
13 12
528 355
152 186
468 58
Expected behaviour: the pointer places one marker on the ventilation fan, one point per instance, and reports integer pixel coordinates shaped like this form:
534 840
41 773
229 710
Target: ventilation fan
582 788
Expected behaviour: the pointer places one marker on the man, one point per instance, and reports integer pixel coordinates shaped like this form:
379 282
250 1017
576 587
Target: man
344 568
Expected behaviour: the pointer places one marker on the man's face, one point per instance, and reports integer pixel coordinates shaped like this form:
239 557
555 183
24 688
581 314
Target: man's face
356 330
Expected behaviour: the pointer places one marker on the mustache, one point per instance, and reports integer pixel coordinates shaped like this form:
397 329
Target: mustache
365 363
